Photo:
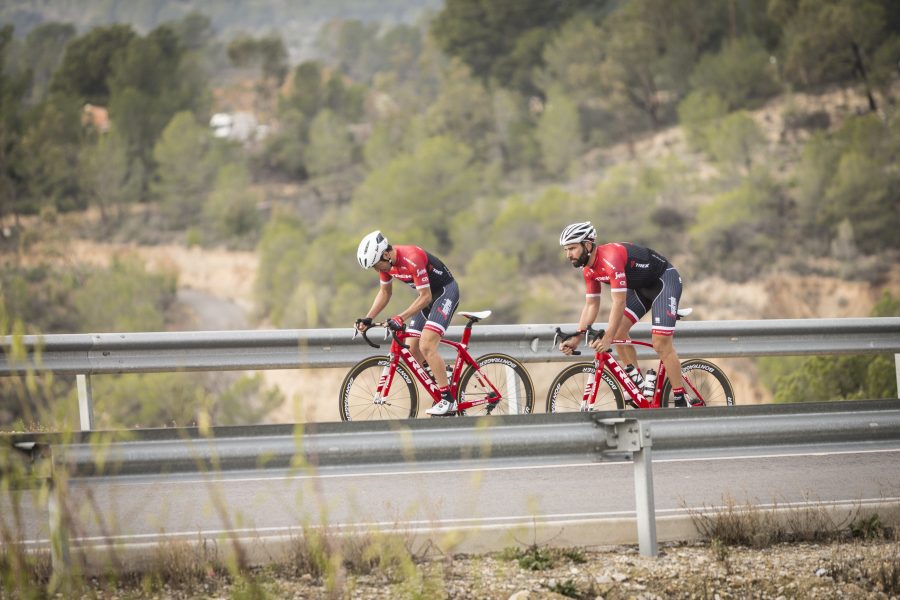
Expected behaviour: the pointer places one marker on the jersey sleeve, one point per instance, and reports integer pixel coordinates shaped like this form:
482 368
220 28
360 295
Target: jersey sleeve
613 258
384 277
420 272
417 263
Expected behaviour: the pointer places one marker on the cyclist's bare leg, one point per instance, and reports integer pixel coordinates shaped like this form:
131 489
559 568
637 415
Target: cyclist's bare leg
665 347
626 352
428 343
415 350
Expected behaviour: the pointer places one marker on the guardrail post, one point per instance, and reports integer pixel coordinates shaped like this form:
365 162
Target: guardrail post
632 436
85 402
897 369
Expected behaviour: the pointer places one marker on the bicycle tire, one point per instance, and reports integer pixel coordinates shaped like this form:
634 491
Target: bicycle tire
710 381
567 390
511 379
356 398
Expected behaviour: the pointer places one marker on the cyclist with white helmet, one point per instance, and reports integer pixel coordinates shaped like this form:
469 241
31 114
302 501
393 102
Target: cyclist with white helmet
640 279
429 314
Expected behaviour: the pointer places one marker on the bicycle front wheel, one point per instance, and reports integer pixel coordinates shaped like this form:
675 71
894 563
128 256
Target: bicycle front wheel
567 390
703 379
510 378
358 399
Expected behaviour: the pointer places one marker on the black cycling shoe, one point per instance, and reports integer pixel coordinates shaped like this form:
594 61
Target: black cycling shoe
682 402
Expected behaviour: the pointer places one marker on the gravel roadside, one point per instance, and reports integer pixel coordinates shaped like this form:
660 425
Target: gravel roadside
845 569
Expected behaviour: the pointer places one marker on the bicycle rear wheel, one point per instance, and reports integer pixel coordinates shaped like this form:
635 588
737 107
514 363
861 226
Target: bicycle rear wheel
510 378
704 379
567 390
357 396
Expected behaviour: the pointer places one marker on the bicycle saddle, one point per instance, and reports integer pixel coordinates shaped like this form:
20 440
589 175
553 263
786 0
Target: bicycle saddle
475 316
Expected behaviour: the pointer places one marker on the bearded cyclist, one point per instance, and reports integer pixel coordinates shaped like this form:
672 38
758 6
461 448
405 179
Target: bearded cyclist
640 280
429 314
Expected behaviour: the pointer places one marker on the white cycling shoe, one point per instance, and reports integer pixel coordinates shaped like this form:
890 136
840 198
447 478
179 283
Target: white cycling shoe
442 409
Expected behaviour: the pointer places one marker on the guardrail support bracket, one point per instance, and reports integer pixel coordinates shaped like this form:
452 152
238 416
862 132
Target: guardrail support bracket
633 436
85 402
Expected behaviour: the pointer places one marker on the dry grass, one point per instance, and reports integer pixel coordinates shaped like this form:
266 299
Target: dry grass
183 565
23 574
747 524
873 571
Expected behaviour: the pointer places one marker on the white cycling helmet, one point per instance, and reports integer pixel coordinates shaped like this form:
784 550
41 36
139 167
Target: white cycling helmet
577 232
371 249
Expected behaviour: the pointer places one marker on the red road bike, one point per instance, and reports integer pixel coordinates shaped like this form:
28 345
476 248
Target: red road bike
578 388
384 387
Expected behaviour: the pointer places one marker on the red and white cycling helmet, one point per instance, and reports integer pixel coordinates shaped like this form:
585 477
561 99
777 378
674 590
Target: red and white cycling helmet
371 249
577 233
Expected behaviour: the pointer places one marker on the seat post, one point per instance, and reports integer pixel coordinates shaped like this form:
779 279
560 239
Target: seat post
467 332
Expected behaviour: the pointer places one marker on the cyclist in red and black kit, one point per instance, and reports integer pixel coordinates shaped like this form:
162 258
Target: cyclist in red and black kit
640 280
429 314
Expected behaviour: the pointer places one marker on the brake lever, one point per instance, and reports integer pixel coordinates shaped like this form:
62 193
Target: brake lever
561 334
394 335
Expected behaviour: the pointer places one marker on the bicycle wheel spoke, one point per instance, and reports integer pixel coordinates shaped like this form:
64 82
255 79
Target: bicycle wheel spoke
508 377
707 389
567 391
571 394
705 381
358 393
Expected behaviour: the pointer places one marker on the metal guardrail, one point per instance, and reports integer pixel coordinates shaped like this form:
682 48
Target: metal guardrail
95 353
172 450
104 353
354 446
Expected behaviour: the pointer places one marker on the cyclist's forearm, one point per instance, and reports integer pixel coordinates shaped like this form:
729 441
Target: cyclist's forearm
588 314
616 314
381 300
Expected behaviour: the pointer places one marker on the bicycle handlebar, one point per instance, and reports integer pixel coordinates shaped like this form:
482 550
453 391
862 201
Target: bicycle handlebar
384 324
593 334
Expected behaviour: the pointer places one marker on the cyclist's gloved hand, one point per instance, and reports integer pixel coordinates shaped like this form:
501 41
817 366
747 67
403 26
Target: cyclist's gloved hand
364 323
395 323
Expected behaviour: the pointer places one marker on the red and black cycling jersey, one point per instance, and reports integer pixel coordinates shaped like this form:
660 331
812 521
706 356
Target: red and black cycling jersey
624 266
418 269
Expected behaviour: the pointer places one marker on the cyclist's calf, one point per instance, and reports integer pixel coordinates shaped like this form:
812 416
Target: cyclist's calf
427 348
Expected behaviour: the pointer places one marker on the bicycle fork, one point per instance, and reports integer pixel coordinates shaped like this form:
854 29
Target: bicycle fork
384 382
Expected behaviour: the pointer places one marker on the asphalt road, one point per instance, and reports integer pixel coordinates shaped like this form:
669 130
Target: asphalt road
496 504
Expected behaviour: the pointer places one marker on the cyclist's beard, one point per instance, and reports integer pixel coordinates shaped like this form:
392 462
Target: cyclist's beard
582 260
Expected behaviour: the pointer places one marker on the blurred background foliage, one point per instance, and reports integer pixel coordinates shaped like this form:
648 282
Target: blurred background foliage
474 128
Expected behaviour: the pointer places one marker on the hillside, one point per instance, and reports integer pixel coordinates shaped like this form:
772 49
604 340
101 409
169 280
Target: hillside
216 286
